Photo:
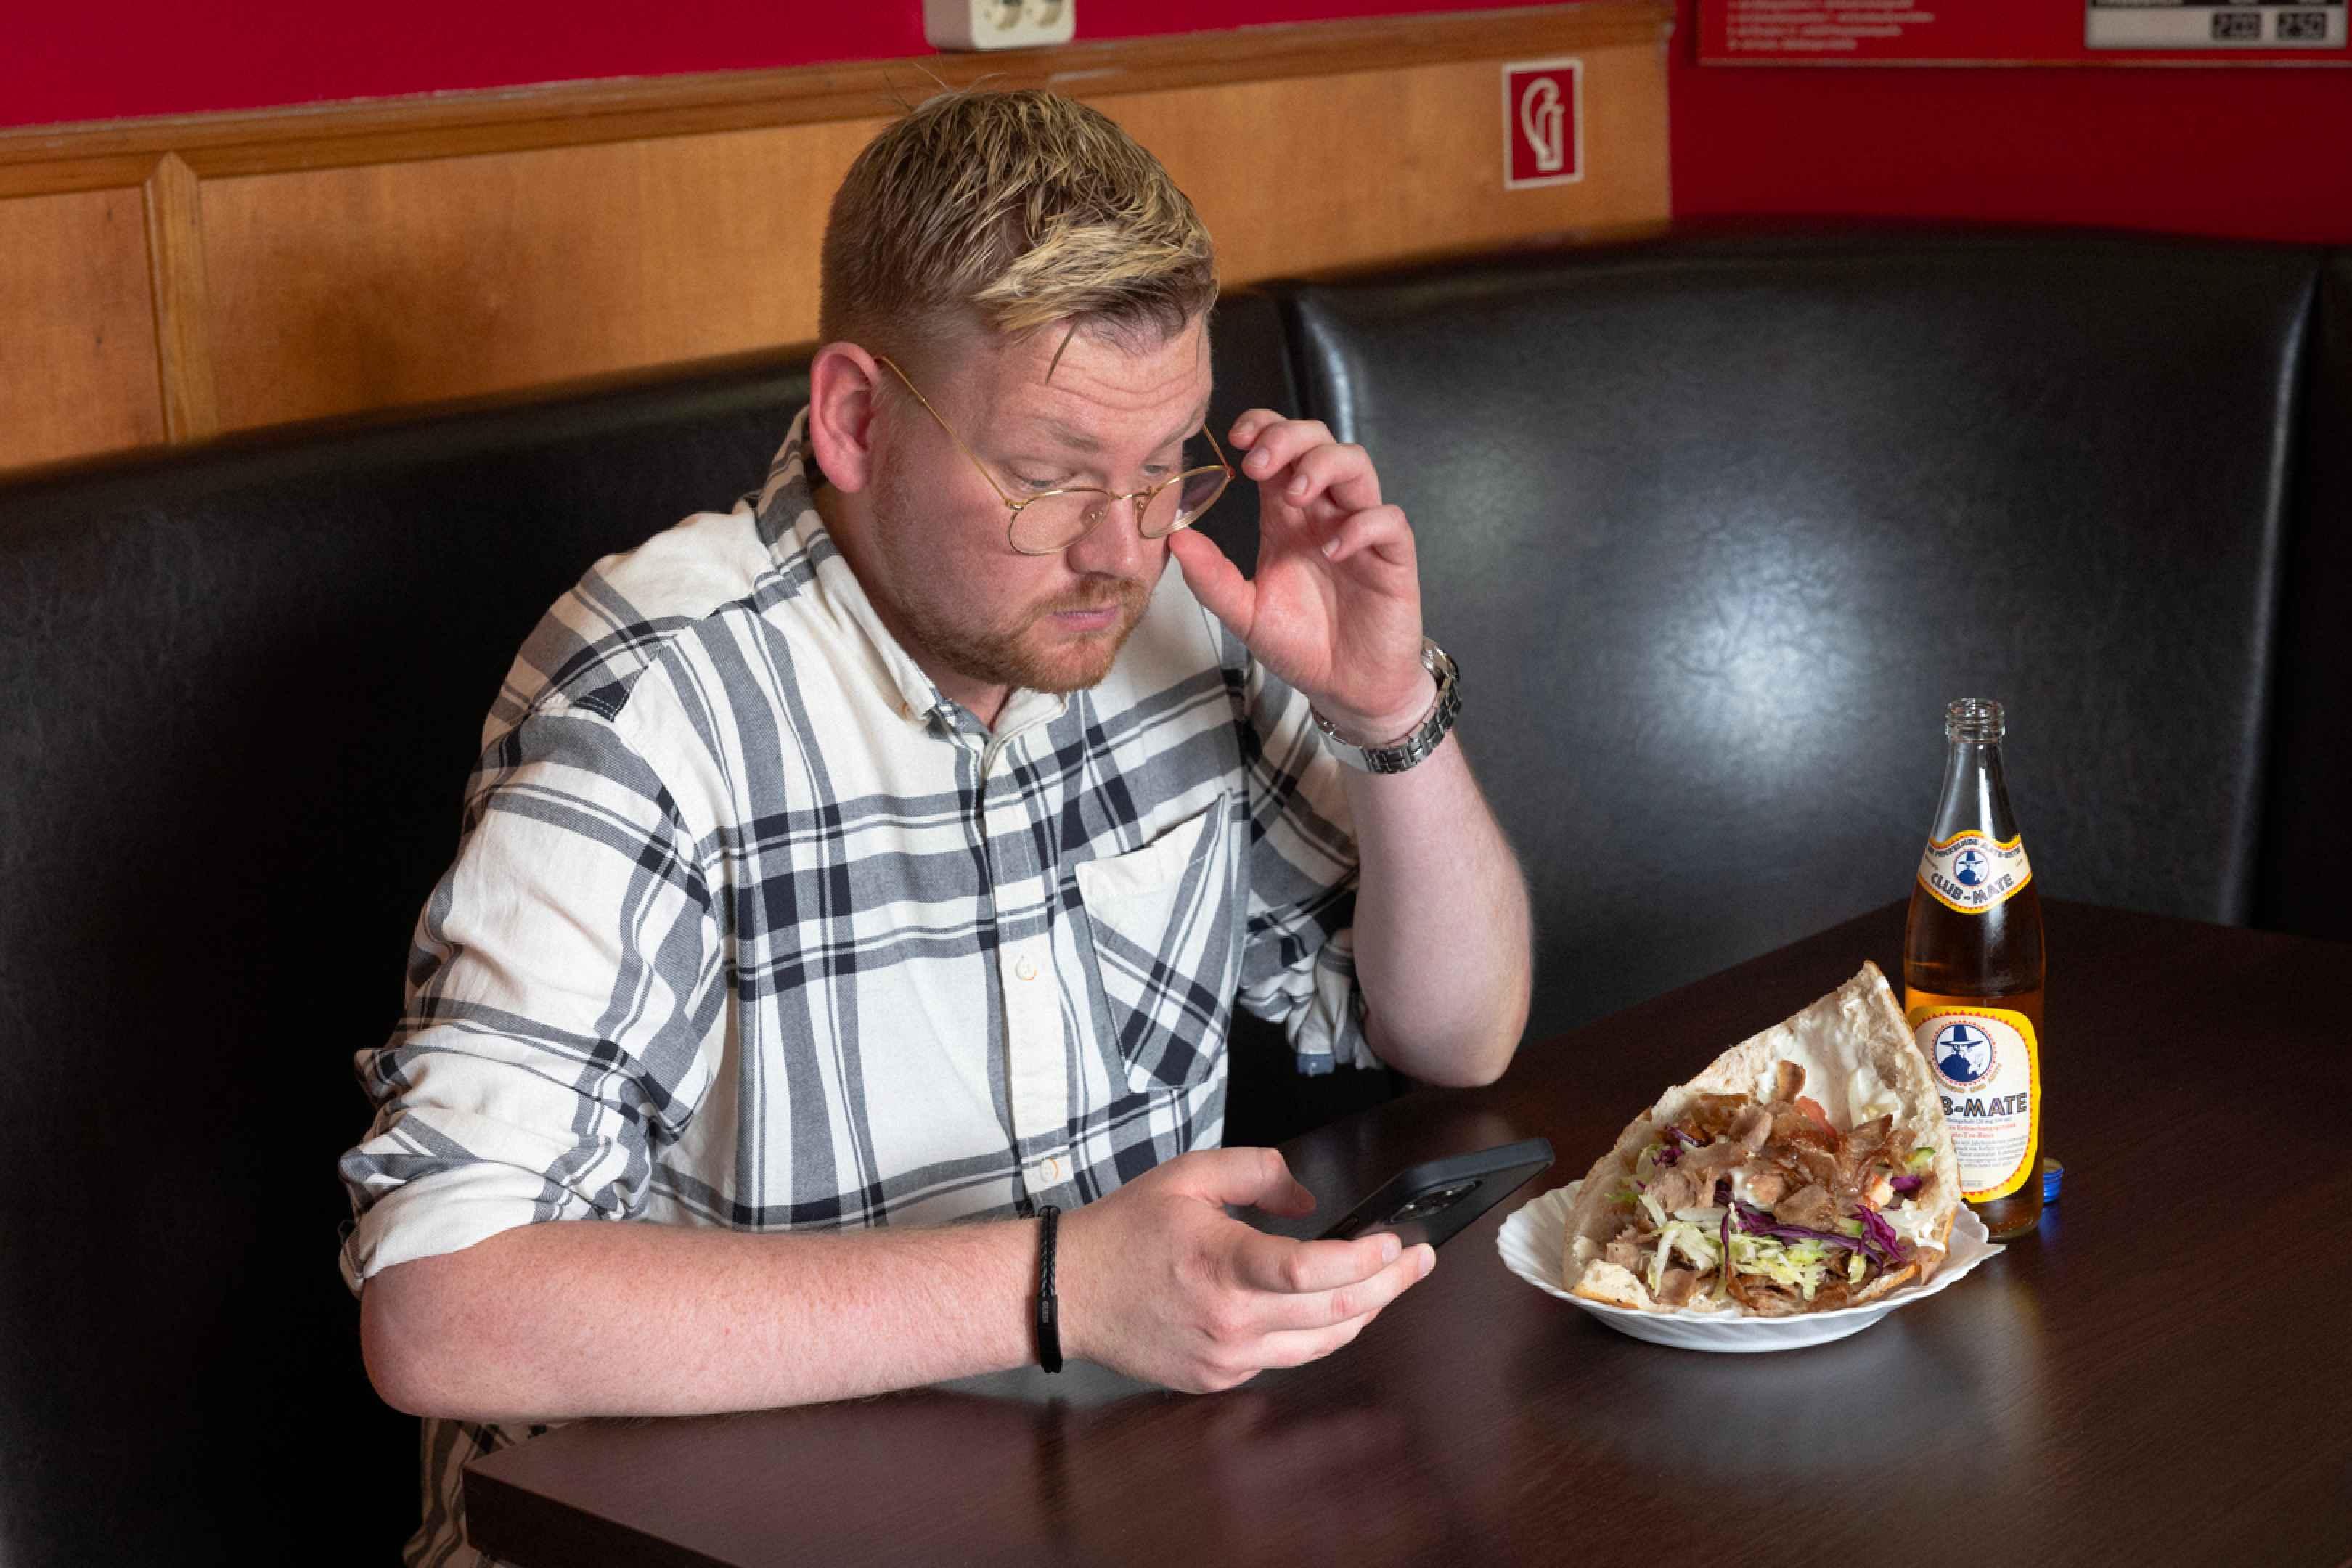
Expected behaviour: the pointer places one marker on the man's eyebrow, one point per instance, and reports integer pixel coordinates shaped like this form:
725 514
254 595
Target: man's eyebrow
1079 440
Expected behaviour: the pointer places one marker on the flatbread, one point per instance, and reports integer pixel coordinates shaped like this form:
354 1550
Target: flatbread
1859 1062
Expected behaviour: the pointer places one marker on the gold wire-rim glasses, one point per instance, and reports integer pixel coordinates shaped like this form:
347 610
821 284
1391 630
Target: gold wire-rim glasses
1142 499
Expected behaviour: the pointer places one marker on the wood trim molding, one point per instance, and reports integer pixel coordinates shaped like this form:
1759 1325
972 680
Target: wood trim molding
175 253
101 154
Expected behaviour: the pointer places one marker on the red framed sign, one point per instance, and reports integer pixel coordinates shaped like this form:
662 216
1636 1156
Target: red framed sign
1543 123
2023 32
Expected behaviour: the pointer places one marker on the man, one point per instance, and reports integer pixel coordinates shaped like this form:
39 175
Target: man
893 849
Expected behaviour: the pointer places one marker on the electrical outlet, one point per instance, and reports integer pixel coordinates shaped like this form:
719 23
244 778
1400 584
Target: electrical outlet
999 23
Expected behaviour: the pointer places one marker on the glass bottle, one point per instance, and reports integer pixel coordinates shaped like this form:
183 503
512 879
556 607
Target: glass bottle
1972 976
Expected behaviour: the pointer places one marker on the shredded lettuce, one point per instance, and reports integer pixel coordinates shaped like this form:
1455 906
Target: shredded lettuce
1921 1162
1698 1247
1799 1265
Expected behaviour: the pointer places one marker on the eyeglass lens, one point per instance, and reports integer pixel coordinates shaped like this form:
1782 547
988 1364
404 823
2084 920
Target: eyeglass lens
1056 521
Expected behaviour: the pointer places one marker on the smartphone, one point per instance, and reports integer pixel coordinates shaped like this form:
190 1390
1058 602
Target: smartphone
1430 1202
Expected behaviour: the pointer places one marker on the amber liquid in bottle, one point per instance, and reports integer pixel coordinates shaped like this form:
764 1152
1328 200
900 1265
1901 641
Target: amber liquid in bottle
1965 967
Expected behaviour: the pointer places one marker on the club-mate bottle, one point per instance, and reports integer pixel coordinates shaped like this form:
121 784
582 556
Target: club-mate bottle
1972 975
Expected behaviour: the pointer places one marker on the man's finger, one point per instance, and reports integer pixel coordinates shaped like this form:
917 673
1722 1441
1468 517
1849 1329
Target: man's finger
1282 442
1321 1308
1297 1347
1345 473
1383 530
1280 1264
1250 425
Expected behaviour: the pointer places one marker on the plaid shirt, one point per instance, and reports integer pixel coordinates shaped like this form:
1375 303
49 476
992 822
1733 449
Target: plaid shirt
748 926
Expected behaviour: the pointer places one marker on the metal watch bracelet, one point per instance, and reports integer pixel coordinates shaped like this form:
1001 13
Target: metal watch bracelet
1415 746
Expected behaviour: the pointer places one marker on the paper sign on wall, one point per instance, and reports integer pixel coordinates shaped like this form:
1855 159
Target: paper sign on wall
1543 123
2023 32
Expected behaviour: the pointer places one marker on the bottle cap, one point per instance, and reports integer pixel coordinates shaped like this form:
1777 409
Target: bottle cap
2052 1174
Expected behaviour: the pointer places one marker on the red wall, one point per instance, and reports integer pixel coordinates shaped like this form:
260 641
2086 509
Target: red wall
2243 150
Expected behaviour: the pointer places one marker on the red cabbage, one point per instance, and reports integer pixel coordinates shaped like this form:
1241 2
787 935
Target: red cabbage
1877 1241
1906 1183
1881 1235
1755 1222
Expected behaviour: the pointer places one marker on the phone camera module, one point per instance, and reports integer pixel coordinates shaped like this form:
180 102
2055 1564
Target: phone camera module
1427 1204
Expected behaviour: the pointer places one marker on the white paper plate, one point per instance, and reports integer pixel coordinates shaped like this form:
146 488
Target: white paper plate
1534 1245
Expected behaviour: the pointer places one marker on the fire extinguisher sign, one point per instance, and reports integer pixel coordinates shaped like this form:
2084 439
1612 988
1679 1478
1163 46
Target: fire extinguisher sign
1543 123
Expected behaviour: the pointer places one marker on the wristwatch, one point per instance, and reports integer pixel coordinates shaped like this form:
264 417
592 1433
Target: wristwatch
1398 755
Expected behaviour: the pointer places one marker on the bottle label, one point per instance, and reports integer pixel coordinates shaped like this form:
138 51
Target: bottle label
1988 1068
1972 871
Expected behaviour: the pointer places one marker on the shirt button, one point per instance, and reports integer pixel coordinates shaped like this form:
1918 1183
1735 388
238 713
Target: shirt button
1025 967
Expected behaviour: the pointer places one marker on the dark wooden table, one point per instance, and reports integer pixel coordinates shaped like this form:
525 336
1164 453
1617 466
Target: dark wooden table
2160 1376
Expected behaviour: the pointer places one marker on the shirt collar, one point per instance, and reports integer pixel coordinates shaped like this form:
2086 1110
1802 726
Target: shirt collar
790 525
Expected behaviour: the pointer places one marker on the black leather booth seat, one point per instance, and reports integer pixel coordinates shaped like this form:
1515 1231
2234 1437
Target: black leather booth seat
245 688
1716 528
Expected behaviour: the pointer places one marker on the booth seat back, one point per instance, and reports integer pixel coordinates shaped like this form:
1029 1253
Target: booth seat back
1716 527
244 687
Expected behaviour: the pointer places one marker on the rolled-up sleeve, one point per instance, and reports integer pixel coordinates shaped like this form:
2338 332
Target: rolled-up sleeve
563 991
1299 966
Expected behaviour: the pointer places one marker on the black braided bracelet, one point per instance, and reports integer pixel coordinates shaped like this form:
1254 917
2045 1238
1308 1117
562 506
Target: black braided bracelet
1049 1330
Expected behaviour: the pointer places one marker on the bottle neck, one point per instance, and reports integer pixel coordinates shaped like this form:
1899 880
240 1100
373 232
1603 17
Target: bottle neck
1975 796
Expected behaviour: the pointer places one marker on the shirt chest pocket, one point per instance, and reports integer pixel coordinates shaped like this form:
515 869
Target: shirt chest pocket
1163 943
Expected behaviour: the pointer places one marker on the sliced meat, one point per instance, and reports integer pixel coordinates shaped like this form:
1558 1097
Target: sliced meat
1865 1154
1623 1254
1718 1159
1810 1206
1833 1293
1788 1080
1869 1140
1710 1116
1676 1287
1805 1162
1766 1188
1678 1188
1752 1128
1790 1125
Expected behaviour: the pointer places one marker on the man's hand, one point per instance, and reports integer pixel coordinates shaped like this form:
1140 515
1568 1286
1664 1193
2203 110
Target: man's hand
1159 1282
1335 608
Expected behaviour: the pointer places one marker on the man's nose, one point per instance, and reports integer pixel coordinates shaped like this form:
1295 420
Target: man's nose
1115 545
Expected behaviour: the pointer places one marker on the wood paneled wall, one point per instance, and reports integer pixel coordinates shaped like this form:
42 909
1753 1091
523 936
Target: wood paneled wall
172 279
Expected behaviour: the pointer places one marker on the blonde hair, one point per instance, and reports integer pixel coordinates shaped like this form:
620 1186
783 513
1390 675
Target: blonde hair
1018 208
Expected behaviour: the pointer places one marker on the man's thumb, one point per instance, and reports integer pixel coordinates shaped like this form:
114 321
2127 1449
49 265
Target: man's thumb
1259 1178
1215 581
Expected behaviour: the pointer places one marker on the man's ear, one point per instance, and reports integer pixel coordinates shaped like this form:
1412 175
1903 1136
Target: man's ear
843 380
